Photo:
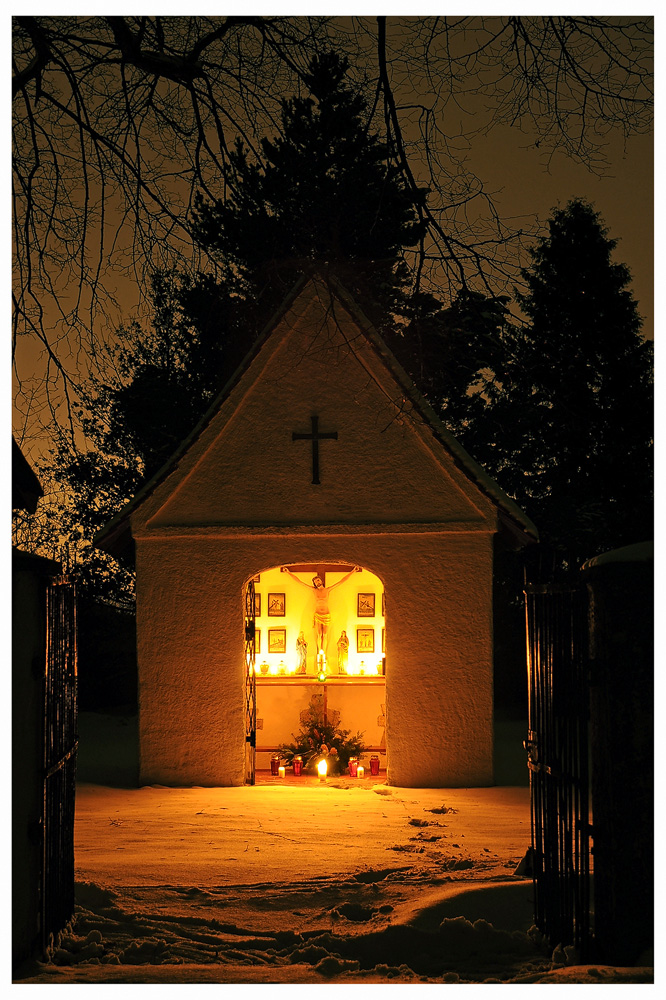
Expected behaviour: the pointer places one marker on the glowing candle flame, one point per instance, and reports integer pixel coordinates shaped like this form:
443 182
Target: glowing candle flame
322 768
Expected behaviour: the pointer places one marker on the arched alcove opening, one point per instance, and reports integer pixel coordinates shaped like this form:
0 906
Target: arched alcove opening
342 678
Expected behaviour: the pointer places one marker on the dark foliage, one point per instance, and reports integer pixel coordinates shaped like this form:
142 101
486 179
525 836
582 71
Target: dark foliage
326 191
318 739
569 423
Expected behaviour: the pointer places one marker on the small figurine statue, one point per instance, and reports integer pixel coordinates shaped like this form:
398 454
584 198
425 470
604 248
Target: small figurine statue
302 653
343 652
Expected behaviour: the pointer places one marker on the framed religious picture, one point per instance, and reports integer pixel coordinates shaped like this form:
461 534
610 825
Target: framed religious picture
383 640
257 605
365 606
277 640
276 606
257 641
365 640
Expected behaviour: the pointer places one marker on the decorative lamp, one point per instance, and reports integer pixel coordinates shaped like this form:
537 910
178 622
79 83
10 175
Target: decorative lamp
374 764
281 771
322 768
264 668
360 771
275 763
282 668
353 765
298 766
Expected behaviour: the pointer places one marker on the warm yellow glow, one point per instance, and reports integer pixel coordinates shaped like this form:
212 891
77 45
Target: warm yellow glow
360 771
322 768
273 670
280 772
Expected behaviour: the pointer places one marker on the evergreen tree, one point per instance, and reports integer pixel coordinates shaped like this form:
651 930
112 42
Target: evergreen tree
325 192
571 422
324 195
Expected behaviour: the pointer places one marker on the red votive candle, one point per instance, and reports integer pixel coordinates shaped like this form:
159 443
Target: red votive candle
275 763
298 765
353 766
374 765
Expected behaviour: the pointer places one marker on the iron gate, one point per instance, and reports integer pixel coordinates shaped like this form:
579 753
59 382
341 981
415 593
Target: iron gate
557 746
60 750
250 686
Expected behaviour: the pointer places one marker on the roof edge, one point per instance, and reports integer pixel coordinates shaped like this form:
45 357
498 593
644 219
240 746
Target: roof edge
464 460
115 535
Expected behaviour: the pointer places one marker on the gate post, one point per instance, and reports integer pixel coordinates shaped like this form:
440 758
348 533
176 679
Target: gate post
621 654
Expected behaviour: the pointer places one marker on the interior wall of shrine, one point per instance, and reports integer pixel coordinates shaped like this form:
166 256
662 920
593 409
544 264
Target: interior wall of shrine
351 680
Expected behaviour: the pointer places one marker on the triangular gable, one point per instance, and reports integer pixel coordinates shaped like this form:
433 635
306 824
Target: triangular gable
392 463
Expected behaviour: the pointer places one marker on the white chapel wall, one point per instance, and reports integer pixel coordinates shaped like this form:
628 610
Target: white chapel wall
241 501
439 639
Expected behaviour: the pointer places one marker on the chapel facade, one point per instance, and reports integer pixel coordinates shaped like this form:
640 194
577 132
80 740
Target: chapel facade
318 459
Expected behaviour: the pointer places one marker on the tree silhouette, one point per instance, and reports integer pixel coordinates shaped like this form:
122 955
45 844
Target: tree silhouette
326 191
327 196
119 121
569 426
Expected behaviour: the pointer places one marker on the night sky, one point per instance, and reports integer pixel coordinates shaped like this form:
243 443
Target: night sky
523 188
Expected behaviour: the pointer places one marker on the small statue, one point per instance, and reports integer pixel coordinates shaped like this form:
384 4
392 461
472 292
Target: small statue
302 653
343 652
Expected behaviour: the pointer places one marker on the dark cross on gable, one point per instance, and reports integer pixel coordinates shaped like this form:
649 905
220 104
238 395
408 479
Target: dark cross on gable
315 437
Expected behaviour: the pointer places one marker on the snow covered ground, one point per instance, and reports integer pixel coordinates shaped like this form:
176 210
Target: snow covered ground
301 881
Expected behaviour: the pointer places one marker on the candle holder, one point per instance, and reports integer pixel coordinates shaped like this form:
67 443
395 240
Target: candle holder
353 766
374 764
275 764
298 766
360 771
281 772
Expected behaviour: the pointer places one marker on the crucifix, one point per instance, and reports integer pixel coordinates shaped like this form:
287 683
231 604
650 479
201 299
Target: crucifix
315 437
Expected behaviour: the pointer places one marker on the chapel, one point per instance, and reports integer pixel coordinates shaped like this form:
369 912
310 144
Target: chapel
319 535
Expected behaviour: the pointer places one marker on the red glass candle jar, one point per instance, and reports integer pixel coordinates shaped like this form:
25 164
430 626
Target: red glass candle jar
298 765
353 766
374 764
275 763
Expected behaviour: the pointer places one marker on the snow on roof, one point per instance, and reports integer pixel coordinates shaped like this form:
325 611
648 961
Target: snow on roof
642 552
115 536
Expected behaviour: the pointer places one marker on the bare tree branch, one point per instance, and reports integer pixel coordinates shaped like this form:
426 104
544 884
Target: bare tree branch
119 121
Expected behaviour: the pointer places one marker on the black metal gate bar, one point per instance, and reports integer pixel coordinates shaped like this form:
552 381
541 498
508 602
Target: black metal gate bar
60 752
250 686
557 744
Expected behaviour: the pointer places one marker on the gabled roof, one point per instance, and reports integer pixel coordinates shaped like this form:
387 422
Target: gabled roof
115 536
